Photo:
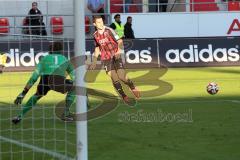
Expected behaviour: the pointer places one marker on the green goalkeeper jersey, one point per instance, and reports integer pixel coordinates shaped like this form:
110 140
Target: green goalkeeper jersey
53 64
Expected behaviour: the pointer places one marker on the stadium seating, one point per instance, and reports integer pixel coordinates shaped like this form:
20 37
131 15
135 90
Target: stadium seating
4 25
234 6
133 9
25 29
203 5
57 25
116 8
136 8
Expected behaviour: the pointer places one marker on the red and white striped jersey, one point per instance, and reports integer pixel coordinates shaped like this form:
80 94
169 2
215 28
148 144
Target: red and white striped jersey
107 42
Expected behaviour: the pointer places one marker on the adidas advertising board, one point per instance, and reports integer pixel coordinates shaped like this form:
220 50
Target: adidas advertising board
199 52
24 55
137 53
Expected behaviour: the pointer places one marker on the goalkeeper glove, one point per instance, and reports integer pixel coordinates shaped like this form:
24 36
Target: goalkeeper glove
20 97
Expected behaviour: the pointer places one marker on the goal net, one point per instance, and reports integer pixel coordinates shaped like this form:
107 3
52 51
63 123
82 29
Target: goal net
41 134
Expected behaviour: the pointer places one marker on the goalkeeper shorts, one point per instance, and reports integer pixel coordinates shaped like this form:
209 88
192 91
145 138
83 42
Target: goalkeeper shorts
54 82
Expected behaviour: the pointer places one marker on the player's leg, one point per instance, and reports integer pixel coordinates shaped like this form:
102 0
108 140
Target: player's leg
69 100
63 85
42 90
29 104
123 77
110 70
116 83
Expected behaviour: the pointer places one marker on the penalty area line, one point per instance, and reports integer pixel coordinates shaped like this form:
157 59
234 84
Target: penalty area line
36 149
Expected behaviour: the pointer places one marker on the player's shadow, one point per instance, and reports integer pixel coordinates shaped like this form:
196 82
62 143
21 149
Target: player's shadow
109 102
150 79
4 103
153 78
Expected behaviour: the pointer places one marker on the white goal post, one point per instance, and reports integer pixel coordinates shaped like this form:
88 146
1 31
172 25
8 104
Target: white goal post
81 105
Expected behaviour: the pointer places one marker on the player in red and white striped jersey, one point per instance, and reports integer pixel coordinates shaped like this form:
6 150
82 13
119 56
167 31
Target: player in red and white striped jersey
108 44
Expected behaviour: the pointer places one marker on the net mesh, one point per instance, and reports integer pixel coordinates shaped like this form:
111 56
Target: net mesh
41 134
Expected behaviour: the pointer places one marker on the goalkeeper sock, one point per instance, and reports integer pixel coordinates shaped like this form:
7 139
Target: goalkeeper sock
130 84
117 85
30 103
69 102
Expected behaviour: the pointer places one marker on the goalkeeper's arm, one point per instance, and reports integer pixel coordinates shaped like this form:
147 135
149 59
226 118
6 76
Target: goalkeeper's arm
70 71
29 84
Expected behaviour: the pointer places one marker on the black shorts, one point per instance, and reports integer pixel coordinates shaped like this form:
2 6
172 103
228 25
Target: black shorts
53 82
113 64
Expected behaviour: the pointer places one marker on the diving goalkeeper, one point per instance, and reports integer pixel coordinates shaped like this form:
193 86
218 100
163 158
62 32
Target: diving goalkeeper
51 69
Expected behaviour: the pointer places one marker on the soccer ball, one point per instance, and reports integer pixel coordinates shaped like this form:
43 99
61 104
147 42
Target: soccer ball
212 88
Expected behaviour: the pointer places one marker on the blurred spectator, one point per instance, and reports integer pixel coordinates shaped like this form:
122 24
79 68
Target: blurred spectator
128 31
96 6
157 5
35 21
117 26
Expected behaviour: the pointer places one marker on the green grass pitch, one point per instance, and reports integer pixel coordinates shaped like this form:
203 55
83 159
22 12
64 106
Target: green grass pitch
194 125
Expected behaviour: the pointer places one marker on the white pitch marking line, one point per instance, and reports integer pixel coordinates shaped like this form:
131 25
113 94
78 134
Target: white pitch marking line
193 101
36 149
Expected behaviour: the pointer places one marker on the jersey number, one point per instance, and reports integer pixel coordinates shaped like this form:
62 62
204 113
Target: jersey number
56 60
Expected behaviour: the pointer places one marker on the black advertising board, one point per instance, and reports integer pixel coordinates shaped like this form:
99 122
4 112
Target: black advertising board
199 52
139 53
24 55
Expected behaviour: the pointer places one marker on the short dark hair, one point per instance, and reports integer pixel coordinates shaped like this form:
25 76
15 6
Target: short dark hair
55 47
117 15
96 17
34 3
129 17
